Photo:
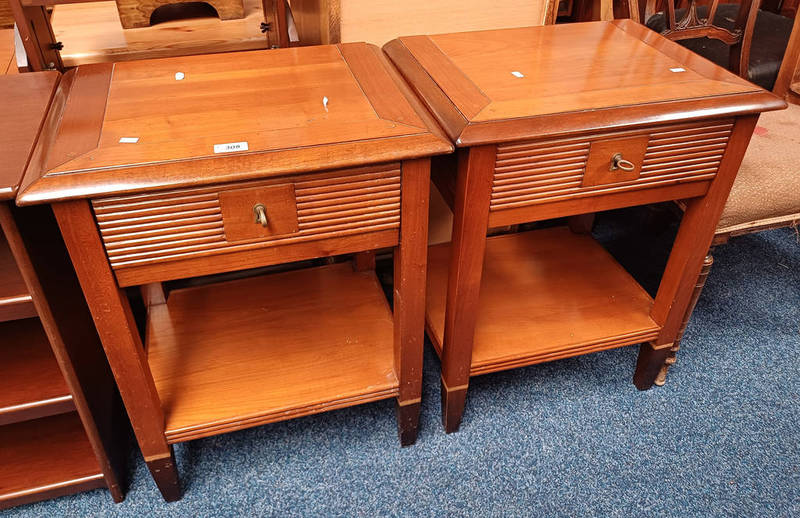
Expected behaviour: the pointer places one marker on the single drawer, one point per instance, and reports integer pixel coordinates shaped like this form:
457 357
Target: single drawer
182 224
553 170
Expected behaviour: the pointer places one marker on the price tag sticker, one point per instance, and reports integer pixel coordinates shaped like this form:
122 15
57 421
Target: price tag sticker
230 147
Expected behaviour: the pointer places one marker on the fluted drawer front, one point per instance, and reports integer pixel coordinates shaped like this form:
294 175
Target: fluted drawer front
185 223
542 171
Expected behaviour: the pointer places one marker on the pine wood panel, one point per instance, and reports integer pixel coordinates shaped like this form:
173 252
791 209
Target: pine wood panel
31 383
545 171
544 295
15 301
92 33
270 348
45 458
182 224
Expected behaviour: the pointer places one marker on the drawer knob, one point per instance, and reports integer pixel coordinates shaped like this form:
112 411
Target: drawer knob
617 162
261 214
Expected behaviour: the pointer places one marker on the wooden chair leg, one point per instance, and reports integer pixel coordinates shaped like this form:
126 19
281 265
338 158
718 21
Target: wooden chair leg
410 261
649 364
470 220
698 289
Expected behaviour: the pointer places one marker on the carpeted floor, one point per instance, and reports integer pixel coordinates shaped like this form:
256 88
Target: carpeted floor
568 438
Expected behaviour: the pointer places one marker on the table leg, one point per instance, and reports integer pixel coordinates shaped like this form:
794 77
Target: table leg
470 220
688 253
410 261
115 325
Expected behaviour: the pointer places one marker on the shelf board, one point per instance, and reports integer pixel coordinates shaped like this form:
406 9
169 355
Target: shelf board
92 33
15 301
252 351
31 383
45 458
545 295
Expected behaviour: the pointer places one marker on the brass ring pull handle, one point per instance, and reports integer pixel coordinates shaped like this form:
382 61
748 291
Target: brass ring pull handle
617 162
261 214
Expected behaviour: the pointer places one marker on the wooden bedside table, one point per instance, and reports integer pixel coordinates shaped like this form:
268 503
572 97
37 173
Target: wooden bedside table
60 427
560 121
182 167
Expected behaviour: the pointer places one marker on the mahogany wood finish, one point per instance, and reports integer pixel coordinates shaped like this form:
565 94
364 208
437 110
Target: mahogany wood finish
15 301
787 85
339 162
59 427
31 384
537 140
46 458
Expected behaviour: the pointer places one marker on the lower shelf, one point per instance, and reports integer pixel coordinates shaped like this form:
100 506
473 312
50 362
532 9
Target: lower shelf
45 458
31 383
252 351
15 301
545 295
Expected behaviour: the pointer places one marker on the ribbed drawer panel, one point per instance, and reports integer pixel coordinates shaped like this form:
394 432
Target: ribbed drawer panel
528 173
150 228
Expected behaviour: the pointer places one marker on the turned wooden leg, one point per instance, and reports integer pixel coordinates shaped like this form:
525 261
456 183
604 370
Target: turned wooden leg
410 261
121 341
470 219
698 289
648 365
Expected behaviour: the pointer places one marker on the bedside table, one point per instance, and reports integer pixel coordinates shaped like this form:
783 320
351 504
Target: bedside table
562 121
183 167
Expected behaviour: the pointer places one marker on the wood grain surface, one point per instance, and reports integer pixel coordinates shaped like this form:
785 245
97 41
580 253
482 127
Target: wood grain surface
15 299
187 223
287 111
544 295
270 348
31 383
46 457
92 33
26 98
517 83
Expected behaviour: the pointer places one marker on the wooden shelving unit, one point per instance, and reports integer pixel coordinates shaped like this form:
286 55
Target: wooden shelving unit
545 294
15 301
45 458
270 348
31 383
59 428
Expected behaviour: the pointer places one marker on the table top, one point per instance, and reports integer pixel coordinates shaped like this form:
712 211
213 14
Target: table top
25 101
199 120
501 85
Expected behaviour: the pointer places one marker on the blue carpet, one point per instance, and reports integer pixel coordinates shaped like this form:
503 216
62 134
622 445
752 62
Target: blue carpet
567 438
